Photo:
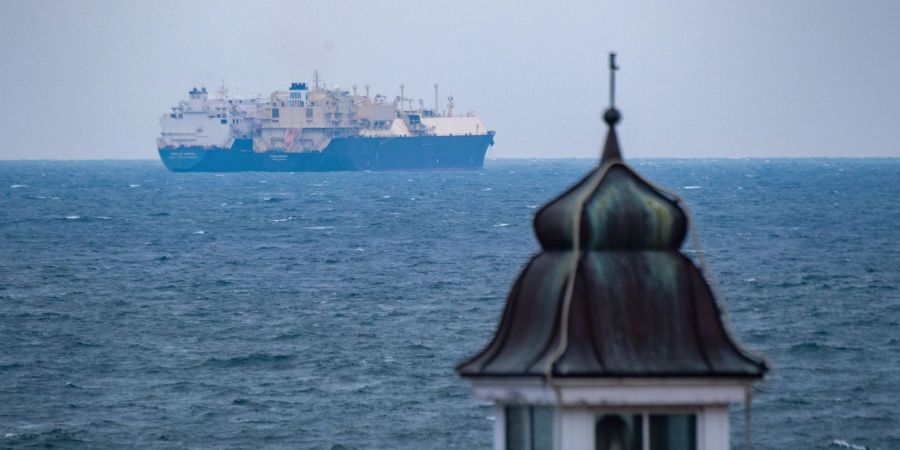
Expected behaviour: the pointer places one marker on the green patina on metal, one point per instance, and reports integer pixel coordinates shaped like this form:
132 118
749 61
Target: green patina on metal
625 212
636 306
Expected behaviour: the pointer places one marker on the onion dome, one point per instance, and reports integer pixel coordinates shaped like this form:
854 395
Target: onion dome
610 294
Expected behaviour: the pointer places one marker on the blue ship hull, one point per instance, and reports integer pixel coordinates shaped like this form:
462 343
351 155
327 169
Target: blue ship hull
341 154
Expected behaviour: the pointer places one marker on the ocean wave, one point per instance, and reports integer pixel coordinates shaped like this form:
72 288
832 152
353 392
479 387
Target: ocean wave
287 336
342 447
50 438
266 360
844 444
816 347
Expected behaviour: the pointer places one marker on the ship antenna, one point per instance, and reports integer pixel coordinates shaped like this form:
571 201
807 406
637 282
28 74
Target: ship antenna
316 78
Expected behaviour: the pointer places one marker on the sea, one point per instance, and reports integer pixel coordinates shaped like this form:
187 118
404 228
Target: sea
141 308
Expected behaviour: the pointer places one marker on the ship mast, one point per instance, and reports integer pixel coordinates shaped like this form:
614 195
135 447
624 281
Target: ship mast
316 78
436 106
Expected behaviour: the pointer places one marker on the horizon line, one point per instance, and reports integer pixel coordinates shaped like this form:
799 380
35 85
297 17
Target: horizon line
561 158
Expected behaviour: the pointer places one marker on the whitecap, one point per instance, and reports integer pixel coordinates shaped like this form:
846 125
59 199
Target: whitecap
9 435
691 187
219 175
16 186
750 280
501 224
263 181
319 228
385 196
531 206
845 444
199 232
283 220
487 189
73 217
104 217
134 185
359 249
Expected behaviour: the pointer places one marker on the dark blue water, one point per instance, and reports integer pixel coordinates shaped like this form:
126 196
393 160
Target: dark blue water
142 308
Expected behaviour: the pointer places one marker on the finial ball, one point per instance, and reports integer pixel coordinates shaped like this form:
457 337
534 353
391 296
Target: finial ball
612 117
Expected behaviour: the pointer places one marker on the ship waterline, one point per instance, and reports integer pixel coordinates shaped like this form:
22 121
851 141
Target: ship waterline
342 154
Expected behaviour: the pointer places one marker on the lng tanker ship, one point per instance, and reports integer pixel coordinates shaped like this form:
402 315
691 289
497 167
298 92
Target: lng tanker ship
313 128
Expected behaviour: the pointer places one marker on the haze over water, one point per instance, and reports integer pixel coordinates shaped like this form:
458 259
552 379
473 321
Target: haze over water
142 308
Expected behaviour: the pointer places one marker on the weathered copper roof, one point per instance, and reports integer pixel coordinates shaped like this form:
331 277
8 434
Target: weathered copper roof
635 306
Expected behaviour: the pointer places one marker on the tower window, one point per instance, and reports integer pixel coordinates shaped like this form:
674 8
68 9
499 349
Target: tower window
529 427
665 432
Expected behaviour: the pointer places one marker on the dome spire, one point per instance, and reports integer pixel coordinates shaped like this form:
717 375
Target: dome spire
612 117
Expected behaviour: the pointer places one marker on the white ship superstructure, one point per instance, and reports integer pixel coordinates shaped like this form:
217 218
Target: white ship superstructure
201 121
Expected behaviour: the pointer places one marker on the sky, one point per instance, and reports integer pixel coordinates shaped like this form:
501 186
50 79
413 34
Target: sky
89 79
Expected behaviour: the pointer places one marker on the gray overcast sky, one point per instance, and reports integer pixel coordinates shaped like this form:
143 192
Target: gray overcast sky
88 79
